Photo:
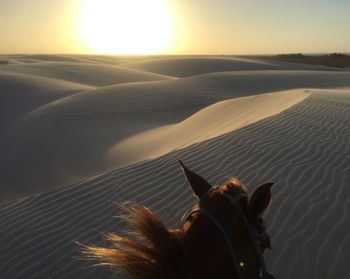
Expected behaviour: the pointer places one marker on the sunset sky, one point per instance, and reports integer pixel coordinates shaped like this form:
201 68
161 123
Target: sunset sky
174 26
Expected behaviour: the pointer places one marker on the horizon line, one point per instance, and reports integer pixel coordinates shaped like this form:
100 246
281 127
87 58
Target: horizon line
173 54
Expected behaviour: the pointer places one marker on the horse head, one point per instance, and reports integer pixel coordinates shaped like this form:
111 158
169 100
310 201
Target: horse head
225 231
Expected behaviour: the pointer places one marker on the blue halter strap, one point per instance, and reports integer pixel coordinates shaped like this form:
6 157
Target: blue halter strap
255 238
215 221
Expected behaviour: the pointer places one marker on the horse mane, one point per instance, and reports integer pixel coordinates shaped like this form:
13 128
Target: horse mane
150 250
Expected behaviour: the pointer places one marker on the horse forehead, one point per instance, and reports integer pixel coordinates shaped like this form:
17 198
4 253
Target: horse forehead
228 189
215 200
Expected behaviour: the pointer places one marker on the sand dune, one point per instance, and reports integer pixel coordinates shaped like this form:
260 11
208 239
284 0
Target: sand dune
20 94
80 135
190 66
33 58
211 122
304 149
83 58
83 73
89 148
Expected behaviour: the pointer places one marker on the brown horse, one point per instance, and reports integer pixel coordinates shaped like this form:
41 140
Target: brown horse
223 237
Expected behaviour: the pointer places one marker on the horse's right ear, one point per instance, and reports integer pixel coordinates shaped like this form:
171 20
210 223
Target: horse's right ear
260 200
198 184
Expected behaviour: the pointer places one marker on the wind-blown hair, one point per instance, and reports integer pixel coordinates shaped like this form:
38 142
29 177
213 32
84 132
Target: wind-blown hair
150 250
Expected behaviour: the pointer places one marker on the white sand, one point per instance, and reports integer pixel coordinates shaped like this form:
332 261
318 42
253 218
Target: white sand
63 124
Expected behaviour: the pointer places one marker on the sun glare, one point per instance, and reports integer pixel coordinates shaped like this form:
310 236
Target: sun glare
126 26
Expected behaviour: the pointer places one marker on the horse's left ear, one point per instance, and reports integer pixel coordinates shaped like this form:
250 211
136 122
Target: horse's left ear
259 200
198 184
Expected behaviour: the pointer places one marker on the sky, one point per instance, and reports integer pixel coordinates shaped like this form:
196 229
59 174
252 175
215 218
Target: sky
174 26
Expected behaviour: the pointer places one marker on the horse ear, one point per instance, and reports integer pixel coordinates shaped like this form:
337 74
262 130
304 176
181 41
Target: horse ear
198 184
259 200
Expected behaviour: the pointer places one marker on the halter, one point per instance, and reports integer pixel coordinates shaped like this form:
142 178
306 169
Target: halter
256 237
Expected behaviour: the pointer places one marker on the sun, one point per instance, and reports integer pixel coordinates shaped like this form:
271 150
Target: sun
126 26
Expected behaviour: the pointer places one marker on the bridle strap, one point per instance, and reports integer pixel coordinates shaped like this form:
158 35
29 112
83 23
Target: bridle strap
253 233
215 221
234 200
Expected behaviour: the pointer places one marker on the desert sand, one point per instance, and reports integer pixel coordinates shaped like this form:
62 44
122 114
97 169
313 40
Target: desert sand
79 135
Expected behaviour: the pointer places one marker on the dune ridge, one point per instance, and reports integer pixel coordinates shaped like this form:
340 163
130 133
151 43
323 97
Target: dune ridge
196 65
210 122
305 150
23 93
90 74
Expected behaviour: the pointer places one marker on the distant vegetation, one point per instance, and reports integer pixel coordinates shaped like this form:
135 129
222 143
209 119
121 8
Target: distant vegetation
334 59
292 55
337 55
2 62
